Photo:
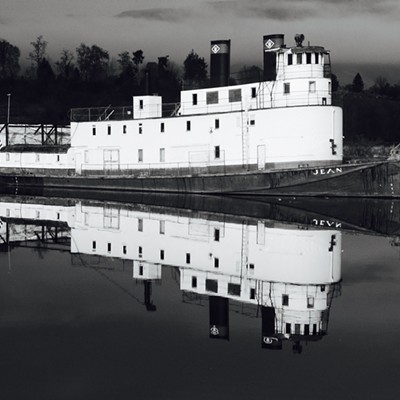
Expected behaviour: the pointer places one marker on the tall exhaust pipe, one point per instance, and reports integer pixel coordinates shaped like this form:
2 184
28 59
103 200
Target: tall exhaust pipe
271 43
220 62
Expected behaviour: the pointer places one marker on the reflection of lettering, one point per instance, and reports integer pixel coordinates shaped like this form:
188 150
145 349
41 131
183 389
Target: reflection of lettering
214 331
269 340
327 171
323 222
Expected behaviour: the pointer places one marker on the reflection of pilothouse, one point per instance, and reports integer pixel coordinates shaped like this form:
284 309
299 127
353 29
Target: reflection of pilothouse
291 273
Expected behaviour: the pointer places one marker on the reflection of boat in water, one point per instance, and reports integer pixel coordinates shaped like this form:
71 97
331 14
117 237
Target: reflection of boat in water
285 273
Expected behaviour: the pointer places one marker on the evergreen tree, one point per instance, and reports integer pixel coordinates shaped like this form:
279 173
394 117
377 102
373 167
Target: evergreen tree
358 84
9 60
195 68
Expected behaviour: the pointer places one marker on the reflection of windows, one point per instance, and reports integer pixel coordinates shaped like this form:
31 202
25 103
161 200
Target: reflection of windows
286 88
212 97
285 300
233 289
212 285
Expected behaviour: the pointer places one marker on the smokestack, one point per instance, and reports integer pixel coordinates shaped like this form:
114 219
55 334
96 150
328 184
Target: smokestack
268 336
219 317
220 62
270 44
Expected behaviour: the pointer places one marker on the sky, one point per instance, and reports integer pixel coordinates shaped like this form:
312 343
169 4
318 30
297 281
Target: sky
356 31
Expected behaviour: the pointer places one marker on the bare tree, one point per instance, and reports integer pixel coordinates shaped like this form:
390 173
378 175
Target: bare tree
9 60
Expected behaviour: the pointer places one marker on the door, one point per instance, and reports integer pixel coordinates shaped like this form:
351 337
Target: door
261 156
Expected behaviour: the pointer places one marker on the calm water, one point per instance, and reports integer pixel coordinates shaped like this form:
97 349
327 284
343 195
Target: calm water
237 301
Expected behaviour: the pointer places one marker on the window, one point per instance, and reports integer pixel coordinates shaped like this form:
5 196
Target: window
212 98
108 129
194 99
94 245
212 285
312 86
124 129
235 95
140 251
297 329
140 225
188 126
308 58
161 254
310 302
251 266
194 282
288 328
252 122
299 58
109 247
216 124
252 293
253 92
7 156
140 129
217 152
37 157
316 58
94 130
286 88
233 289
285 300
124 250
58 215
187 258
216 262
306 329
58 158
162 127
37 214
140 155
216 234
162 155
290 59
141 104
162 227
141 270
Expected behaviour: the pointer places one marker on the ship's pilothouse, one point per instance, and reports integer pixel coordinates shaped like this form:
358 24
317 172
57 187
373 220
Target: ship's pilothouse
286 275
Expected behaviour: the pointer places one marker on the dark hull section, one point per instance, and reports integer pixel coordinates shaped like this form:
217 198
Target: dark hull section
367 215
381 179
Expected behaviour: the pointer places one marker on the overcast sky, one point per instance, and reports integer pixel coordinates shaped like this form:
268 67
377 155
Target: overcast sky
356 31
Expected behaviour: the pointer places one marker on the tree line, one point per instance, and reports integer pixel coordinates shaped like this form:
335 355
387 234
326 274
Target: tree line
88 77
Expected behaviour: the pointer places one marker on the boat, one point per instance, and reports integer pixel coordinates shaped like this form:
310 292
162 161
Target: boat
278 136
